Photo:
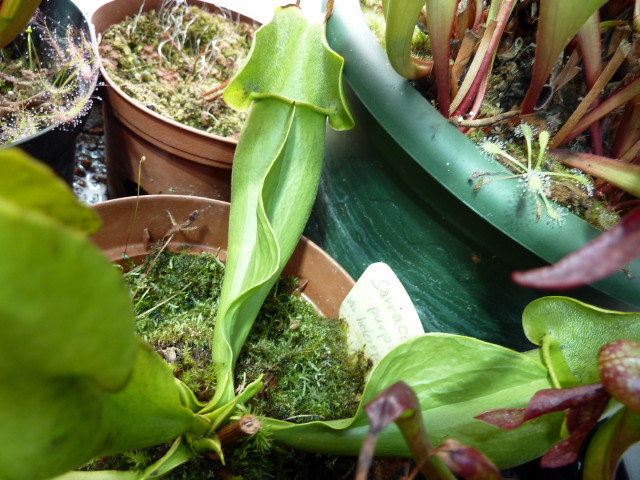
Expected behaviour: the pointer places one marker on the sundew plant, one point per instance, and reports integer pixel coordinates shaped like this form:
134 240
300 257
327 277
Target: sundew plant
536 176
47 76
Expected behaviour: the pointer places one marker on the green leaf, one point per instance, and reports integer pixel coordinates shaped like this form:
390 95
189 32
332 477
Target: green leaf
401 17
294 82
148 411
579 329
559 371
455 379
104 475
609 443
14 17
290 60
48 425
32 185
64 310
274 183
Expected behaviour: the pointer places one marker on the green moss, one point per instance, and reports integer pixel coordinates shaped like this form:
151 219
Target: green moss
308 372
168 60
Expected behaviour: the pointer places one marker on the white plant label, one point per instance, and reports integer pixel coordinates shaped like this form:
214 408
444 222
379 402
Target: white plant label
379 312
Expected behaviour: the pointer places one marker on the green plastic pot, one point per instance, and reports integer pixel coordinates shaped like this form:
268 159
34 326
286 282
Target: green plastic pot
396 189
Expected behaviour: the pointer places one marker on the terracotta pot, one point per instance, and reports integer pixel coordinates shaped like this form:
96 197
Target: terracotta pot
179 159
125 231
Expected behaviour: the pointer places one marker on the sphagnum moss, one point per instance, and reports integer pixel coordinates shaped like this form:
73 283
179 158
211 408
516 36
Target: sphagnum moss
308 372
169 59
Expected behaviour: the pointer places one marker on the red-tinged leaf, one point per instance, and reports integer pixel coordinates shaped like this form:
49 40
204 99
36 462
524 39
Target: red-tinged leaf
466 462
484 69
589 41
620 174
398 403
543 402
615 101
619 364
628 131
558 22
503 418
598 259
390 405
440 17
609 443
580 421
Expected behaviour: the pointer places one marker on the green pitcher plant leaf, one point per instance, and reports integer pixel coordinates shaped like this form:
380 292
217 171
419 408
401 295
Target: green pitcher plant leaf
89 333
290 60
148 411
32 185
609 443
579 329
14 17
400 18
48 424
455 379
291 84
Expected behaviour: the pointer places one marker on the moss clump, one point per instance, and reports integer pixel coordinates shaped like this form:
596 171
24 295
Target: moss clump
169 59
308 372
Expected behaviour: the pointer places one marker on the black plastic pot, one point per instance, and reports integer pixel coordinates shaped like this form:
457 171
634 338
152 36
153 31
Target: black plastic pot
396 189
55 145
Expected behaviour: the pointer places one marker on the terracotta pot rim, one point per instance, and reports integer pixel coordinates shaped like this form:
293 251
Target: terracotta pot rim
137 104
180 126
326 283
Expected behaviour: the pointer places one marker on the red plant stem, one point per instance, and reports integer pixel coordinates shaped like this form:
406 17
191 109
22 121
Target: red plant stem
610 104
628 131
440 37
479 15
590 45
501 22
608 72
477 104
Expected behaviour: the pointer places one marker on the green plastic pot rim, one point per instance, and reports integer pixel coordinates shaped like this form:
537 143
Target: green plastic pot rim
451 158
